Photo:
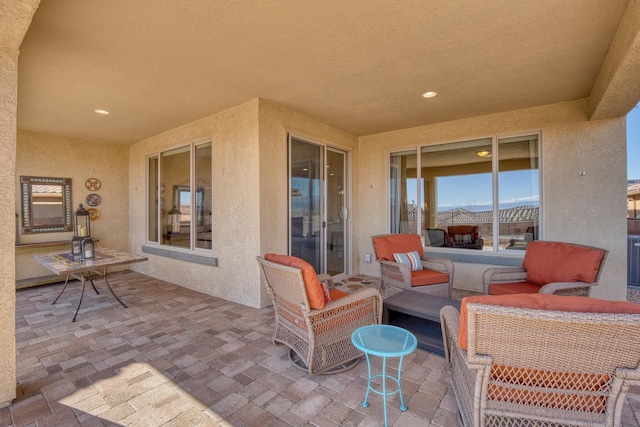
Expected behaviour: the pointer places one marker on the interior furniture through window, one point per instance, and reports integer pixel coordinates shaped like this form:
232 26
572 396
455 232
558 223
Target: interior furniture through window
439 186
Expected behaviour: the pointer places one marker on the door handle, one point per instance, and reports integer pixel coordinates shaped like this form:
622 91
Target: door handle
343 213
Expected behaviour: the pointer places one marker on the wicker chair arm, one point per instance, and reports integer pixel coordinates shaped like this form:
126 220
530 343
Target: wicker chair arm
438 264
356 296
629 374
502 275
391 270
567 288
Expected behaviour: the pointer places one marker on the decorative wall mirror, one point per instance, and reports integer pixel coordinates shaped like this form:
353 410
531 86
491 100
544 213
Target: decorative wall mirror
46 204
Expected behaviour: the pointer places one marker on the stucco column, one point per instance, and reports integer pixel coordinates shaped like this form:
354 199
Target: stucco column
8 125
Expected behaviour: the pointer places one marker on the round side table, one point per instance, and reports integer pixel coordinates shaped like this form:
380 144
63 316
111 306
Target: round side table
384 341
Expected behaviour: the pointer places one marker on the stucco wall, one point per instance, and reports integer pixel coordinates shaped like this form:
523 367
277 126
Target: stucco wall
275 122
8 106
235 216
41 154
249 195
587 209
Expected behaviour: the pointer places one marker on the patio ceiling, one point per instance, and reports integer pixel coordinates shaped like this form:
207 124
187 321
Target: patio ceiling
358 65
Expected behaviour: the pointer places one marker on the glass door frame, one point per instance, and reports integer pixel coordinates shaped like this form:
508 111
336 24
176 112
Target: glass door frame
324 238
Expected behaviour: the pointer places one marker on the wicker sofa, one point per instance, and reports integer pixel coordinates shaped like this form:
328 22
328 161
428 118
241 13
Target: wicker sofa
513 363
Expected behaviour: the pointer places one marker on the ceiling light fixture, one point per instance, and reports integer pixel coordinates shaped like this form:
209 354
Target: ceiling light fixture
429 94
484 153
105 112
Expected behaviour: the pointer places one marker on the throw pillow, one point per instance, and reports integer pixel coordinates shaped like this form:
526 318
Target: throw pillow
410 259
325 292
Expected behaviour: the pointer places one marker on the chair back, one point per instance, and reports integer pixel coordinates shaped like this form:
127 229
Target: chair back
385 245
548 262
285 284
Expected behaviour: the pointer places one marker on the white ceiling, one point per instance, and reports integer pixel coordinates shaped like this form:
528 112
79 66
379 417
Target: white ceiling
358 65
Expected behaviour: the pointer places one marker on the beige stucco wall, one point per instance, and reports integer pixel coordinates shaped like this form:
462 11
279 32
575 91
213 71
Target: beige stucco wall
8 106
587 209
41 154
249 195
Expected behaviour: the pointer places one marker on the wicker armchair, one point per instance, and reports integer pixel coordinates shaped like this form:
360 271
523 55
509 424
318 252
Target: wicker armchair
319 340
549 268
435 277
532 367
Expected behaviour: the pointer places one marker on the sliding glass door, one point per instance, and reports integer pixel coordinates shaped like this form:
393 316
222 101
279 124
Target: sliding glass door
317 206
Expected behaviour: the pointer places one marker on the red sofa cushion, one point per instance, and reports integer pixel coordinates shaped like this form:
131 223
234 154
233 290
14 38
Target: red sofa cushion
386 246
548 262
315 294
514 288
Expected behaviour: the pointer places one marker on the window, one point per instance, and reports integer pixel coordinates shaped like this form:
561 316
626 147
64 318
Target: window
481 194
179 198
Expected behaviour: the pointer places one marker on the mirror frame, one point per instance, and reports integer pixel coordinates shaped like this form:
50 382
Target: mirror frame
26 183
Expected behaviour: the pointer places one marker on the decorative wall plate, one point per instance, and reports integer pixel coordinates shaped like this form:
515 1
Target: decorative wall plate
94 214
93 184
93 199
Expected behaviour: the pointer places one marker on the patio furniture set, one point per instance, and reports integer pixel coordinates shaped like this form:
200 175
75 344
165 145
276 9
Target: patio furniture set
532 351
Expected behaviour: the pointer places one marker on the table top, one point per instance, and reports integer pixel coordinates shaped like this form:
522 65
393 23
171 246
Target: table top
63 263
423 305
384 340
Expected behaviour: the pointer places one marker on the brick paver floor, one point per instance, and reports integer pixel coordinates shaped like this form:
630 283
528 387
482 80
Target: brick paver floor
176 357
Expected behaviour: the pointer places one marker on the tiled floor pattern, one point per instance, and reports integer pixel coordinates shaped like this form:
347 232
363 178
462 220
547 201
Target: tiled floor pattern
176 357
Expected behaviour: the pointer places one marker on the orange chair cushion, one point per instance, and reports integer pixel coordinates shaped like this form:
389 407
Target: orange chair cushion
312 285
548 262
336 294
514 288
386 246
537 301
428 277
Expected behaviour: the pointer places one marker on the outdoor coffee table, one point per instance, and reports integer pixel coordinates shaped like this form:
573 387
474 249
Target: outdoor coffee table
384 341
419 313
63 263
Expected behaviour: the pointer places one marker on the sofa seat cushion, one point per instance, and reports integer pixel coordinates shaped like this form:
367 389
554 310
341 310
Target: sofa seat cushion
315 294
386 246
525 287
543 302
426 277
336 294
548 262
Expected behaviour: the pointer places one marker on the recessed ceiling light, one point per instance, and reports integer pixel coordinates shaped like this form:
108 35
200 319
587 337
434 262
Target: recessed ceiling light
429 94
483 153
101 111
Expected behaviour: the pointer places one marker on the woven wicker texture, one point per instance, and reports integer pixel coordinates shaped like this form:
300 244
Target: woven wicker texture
518 274
528 367
321 338
395 276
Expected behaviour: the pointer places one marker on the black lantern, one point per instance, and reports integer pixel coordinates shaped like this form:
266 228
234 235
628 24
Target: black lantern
76 246
88 248
173 220
81 222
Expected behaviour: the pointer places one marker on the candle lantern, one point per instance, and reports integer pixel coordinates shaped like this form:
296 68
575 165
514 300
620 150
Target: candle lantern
173 219
76 246
81 222
88 248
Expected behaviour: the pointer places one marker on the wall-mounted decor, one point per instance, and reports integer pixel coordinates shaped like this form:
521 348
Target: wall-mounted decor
94 214
93 184
93 199
46 204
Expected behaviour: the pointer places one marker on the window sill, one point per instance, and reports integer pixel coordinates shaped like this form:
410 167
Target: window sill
181 256
476 256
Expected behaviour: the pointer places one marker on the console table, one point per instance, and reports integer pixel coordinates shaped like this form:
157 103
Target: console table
63 263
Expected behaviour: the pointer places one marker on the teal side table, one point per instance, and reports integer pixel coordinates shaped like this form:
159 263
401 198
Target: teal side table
384 341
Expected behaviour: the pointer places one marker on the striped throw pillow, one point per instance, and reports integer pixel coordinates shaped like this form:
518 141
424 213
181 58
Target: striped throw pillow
410 259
